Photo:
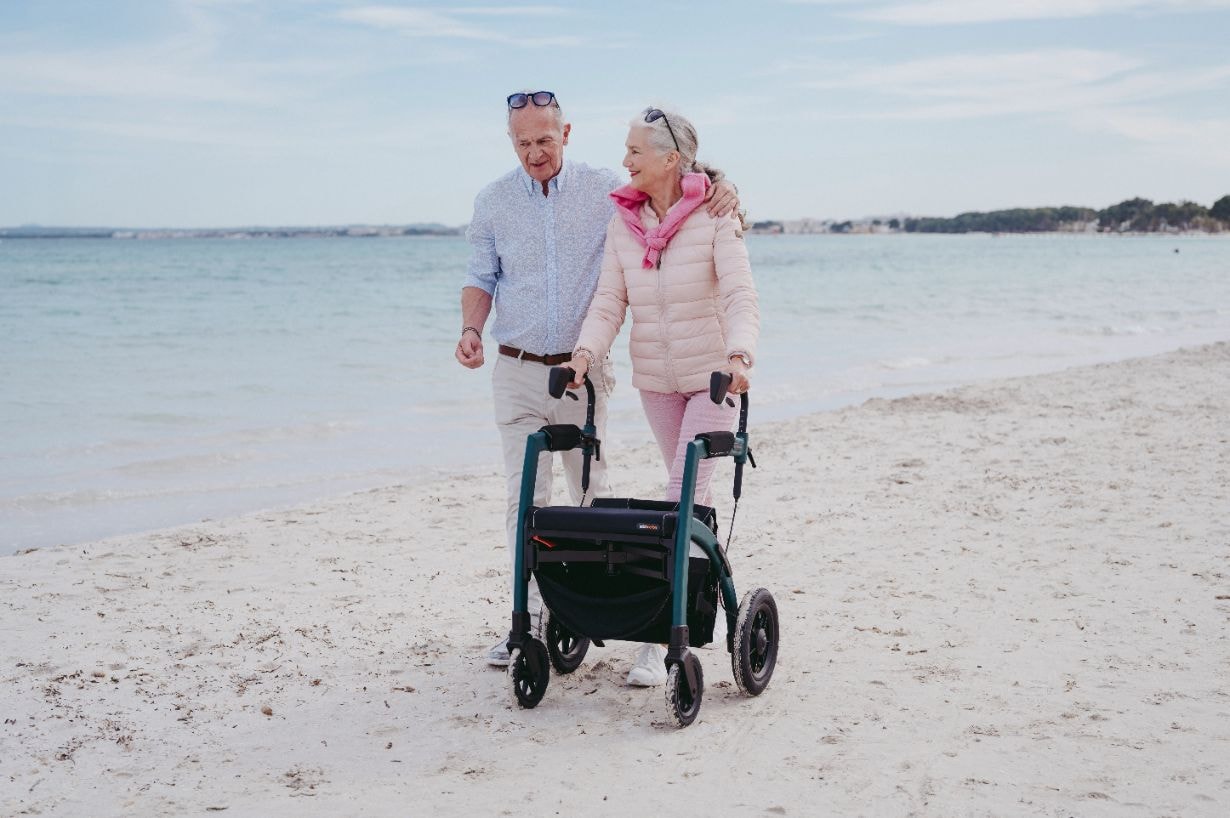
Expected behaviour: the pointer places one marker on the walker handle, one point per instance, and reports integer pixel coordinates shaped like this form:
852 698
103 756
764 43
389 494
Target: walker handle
719 384
559 379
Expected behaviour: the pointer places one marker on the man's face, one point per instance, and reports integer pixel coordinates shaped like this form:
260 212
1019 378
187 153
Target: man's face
539 141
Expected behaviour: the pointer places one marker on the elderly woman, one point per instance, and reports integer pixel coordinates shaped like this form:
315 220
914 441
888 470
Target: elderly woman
686 277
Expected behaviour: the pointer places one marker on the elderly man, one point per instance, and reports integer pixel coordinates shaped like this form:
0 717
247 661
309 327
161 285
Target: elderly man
537 236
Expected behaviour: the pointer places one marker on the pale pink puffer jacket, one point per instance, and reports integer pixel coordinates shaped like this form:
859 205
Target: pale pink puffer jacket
689 314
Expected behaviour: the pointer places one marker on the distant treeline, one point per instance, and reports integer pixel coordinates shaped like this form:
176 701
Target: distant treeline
1131 216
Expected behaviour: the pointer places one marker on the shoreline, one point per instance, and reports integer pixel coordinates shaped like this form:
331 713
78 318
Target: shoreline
628 432
1008 597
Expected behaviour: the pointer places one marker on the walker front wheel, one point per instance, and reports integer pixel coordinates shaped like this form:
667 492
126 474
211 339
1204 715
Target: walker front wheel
681 704
529 672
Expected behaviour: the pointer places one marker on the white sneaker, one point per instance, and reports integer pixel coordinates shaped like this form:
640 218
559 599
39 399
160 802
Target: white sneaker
497 654
650 667
719 631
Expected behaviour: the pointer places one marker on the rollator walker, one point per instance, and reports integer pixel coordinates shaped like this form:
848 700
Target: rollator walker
635 570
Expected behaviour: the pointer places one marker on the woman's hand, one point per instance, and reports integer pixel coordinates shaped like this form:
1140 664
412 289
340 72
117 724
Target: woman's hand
580 366
737 370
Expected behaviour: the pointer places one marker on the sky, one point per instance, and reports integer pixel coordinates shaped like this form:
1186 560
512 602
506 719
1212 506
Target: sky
215 113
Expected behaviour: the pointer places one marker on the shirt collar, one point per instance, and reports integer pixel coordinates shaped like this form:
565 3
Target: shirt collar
558 183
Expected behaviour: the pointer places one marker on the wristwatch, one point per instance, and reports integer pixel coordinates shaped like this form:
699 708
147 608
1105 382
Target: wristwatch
742 356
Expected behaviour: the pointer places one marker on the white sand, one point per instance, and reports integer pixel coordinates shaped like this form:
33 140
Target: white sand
1010 599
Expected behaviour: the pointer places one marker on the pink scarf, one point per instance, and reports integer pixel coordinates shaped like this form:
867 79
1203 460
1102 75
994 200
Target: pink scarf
628 201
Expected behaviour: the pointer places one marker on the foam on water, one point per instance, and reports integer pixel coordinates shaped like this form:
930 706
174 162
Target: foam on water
146 384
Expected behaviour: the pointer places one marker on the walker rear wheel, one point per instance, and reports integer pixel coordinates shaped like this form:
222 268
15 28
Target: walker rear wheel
529 672
755 642
566 649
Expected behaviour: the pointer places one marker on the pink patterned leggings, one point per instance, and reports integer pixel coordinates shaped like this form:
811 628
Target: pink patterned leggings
676 419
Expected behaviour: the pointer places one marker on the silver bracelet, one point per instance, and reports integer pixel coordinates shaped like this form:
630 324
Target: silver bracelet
582 352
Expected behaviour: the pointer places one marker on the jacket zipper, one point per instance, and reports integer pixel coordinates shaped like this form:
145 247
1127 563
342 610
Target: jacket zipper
666 353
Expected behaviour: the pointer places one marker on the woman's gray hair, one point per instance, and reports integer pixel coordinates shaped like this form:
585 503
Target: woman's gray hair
663 138
553 107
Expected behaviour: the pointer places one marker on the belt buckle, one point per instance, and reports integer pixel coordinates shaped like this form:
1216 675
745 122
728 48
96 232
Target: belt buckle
521 355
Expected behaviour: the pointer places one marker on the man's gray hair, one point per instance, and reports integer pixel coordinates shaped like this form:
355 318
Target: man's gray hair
553 107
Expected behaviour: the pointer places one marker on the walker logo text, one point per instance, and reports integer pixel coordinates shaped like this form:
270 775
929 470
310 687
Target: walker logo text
647 526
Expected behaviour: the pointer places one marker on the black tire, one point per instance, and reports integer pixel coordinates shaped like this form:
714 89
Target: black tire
566 649
529 671
680 704
754 653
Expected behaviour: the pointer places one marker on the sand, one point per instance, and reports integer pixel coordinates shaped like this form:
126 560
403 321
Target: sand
1007 599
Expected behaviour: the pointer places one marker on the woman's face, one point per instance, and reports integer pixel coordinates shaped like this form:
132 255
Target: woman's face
647 167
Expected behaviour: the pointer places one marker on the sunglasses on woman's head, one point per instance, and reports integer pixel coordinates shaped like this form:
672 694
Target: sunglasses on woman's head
654 114
540 98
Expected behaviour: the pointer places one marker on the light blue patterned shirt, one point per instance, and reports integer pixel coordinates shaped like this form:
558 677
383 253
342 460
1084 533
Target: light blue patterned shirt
539 256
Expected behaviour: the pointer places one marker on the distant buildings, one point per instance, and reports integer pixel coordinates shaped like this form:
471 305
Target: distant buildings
813 226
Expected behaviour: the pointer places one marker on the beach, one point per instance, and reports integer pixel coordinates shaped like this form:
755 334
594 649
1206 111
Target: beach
1009 598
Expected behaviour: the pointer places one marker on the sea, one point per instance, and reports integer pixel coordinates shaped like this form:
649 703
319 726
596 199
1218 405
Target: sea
146 384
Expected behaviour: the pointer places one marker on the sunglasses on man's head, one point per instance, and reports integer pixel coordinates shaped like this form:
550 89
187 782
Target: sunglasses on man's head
654 114
540 98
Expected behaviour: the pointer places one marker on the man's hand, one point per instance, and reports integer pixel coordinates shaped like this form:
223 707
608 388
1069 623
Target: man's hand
470 350
721 199
475 307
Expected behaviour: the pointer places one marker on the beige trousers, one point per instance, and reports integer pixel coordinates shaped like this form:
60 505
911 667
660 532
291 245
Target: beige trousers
522 407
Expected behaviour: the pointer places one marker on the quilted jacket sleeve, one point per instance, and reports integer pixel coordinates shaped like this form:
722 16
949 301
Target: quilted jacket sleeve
736 288
610 304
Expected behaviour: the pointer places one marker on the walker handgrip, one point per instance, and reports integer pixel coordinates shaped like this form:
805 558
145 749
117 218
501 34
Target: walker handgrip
559 379
719 444
562 437
719 384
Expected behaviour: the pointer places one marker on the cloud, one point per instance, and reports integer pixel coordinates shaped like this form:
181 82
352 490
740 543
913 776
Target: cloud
1180 140
121 74
1091 91
186 131
1159 129
957 12
837 39
513 11
433 24
985 85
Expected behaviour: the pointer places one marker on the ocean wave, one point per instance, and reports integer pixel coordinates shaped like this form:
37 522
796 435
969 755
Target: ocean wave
165 419
190 493
181 464
209 443
905 363
1113 331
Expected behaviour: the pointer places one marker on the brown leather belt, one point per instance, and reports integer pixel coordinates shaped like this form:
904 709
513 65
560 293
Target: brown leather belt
548 360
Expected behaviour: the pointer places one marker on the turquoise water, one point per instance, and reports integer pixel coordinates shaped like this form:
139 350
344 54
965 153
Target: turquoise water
145 384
